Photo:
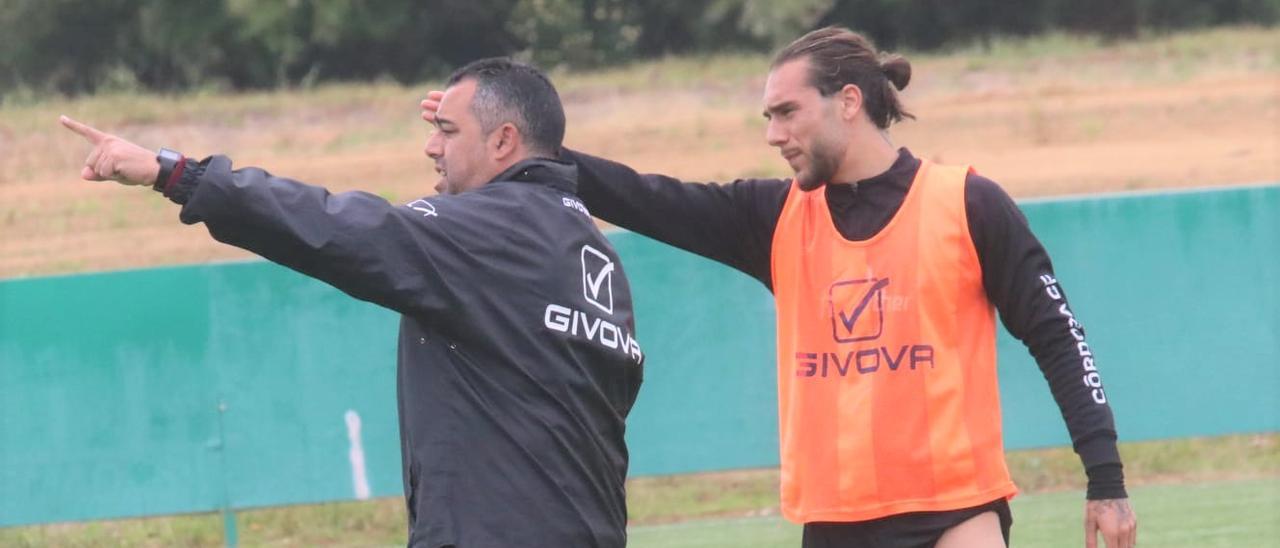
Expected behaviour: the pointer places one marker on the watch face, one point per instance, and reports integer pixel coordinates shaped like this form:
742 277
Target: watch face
169 155
168 160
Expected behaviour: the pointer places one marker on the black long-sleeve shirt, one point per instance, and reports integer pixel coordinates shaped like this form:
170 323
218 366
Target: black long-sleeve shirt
734 224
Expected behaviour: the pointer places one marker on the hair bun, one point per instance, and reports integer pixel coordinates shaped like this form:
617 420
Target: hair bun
898 70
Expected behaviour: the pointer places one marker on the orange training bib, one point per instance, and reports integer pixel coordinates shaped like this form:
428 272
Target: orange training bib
887 390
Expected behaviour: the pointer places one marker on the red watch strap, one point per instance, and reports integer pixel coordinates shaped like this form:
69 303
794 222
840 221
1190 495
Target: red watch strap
176 175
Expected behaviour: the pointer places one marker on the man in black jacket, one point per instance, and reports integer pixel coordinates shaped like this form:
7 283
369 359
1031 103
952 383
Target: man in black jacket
518 362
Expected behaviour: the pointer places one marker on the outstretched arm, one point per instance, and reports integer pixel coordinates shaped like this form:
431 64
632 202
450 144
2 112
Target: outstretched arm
730 223
400 257
113 158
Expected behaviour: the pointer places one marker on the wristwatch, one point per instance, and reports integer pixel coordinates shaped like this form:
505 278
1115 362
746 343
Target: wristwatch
168 160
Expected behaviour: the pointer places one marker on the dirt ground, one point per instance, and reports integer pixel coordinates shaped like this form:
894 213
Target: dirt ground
1098 119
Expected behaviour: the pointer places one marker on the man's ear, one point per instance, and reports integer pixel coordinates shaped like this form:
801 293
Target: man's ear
505 141
850 101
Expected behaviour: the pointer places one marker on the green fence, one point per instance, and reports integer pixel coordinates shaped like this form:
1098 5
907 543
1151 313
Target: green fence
239 385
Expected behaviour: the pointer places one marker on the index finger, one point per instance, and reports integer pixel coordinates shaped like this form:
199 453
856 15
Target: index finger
93 135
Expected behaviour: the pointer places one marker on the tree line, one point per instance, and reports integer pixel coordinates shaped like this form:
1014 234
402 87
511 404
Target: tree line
80 46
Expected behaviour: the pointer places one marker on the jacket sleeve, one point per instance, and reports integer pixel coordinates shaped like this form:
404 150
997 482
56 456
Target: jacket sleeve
1020 282
400 257
730 223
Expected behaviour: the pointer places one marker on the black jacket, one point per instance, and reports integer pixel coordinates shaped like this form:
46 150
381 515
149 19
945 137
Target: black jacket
517 357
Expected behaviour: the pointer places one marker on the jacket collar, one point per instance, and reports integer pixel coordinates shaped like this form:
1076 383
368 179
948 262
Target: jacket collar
543 171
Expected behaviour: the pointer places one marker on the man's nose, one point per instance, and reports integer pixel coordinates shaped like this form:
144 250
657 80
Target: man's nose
433 149
774 134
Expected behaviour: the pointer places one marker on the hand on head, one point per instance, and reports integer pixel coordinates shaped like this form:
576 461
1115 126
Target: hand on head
430 105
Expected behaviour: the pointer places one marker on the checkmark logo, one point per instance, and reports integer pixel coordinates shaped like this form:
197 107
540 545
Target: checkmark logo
857 309
427 209
597 278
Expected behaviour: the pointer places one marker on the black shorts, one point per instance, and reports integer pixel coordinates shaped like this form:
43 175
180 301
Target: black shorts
913 530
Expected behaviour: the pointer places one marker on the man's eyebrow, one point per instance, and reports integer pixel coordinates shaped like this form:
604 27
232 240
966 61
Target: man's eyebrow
441 121
785 105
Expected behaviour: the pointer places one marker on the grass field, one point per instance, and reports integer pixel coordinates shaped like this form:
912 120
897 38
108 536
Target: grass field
1187 493
1227 514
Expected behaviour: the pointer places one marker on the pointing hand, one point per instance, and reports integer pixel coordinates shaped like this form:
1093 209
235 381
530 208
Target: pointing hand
113 158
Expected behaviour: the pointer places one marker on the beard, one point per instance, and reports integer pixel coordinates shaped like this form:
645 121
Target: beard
824 160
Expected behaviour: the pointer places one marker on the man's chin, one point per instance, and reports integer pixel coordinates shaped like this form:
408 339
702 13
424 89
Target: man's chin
806 182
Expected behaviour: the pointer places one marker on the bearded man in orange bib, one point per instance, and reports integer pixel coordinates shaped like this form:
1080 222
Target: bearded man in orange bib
887 271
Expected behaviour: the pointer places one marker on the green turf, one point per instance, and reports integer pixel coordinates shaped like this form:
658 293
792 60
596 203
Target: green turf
1238 513
1227 493
763 532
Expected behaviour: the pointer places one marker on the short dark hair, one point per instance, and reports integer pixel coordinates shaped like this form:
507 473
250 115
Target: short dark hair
839 57
510 91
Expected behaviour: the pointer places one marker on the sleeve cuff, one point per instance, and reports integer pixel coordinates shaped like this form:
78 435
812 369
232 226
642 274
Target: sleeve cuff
1106 481
184 184
1101 459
